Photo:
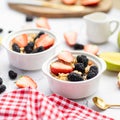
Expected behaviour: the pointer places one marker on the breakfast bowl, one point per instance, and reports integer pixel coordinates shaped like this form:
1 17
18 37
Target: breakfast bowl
28 49
72 79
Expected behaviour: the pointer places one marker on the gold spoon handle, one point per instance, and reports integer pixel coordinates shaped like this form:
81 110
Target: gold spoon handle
115 105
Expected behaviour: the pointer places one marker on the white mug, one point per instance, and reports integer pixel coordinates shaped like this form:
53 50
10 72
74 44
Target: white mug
99 27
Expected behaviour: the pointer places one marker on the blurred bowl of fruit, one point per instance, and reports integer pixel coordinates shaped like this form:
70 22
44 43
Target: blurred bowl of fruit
74 74
28 49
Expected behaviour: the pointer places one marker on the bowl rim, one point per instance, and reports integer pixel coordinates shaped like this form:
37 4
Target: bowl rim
99 60
22 31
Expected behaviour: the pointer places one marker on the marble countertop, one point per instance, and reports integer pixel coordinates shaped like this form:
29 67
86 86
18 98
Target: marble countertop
108 89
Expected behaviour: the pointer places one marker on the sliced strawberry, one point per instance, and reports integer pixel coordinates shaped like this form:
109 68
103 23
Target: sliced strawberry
59 67
69 2
44 40
89 2
91 48
70 38
26 81
42 22
66 56
21 40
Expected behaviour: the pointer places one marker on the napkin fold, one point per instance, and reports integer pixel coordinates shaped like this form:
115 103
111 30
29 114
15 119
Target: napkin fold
30 104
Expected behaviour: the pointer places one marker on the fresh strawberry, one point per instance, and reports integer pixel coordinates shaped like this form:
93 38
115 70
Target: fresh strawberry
66 56
91 48
21 40
69 2
42 22
26 81
89 2
70 38
44 40
59 67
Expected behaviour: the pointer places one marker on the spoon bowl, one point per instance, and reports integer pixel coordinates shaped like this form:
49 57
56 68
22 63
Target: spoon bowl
100 103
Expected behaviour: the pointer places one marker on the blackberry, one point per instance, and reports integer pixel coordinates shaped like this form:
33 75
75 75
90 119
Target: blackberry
78 46
9 31
12 74
2 88
29 18
31 44
1 30
74 77
82 59
15 47
94 69
92 72
80 67
39 49
38 35
29 47
91 75
1 81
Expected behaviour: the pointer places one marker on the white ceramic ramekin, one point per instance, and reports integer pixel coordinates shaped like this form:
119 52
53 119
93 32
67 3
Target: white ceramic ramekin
75 90
28 61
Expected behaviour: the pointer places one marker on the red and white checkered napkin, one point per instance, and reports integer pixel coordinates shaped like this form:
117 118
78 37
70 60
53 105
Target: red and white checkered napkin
29 104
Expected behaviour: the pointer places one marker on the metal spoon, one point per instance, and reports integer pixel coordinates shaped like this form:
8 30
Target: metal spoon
100 103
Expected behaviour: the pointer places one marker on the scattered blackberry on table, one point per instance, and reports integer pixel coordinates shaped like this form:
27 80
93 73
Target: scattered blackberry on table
2 88
29 18
74 77
82 59
12 74
92 72
80 67
38 35
1 30
9 31
15 47
1 81
78 46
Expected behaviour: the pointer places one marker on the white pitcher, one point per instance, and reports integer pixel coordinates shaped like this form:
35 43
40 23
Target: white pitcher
99 27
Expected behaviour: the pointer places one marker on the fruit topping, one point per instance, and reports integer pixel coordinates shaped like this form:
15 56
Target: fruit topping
80 67
91 49
74 77
1 81
2 88
70 38
38 35
78 46
36 43
42 22
26 81
21 40
92 72
59 67
12 74
44 40
66 56
82 59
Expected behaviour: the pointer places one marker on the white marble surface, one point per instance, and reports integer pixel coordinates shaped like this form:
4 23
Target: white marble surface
108 90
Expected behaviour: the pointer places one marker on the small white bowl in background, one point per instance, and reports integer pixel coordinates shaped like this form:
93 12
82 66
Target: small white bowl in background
32 61
79 89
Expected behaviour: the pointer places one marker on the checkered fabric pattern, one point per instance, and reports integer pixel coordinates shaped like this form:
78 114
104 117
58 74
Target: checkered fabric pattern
30 104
